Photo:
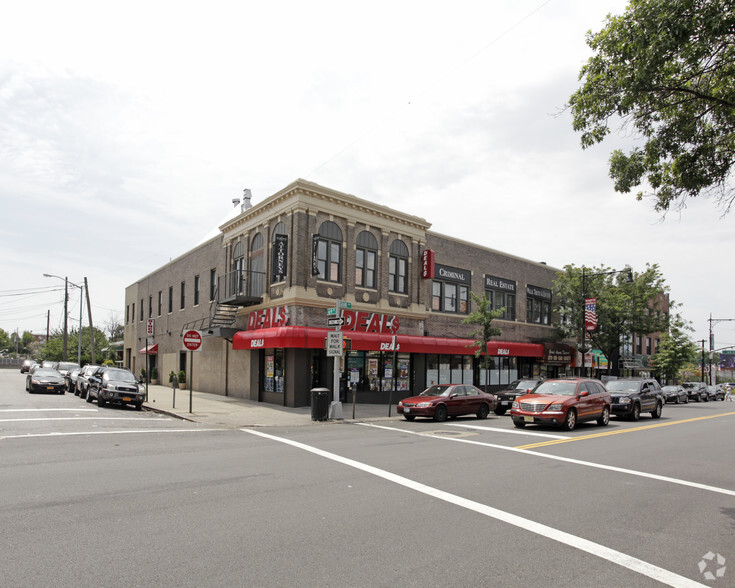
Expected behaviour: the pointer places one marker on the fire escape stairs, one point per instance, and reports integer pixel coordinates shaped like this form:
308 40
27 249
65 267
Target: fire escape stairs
224 315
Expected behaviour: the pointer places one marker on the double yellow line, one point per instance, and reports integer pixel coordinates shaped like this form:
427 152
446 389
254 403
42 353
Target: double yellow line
620 432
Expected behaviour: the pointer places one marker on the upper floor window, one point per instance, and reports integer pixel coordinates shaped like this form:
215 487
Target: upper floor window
238 270
183 296
196 290
160 302
170 299
280 253
212 283
501 294
328 243
366 255
538 305
450 297
398 267
142 311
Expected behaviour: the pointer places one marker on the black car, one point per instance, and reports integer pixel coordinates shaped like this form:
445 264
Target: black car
675 394
115 386
715 393
45 380
696 391
26 366
506 396
632 397
82 381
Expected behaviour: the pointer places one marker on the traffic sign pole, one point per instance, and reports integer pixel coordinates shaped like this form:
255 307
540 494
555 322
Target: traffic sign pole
192 341
335 409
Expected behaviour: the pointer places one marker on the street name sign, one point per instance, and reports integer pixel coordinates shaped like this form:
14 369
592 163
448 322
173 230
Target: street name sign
336 321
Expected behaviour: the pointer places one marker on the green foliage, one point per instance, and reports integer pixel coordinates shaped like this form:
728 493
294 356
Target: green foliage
154 374
182 377
142 373
666 69
5 342
675 351
108 362
54 348
483 316
171 377
623 308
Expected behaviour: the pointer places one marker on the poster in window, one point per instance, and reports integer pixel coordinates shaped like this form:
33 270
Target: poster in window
280 257
372 368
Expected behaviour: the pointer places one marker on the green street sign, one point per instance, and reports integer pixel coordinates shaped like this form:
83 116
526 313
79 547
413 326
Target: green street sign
345 304
331 311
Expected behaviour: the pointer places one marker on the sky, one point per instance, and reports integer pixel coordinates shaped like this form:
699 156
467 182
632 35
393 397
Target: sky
126 129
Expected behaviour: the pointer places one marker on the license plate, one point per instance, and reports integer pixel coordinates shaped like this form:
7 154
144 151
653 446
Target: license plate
126 398
505 403
49 387
528 419
406 410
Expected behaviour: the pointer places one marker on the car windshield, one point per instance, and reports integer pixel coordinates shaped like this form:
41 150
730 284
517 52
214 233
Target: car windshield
524 384
618 385
669 388
67 366
119 376
689 385
558 388
437 390
46 373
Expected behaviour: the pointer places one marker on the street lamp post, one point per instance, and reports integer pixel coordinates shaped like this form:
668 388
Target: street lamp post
67 283
585 275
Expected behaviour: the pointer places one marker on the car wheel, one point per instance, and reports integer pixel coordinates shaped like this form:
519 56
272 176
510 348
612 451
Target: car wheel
636 414
483 412
500 410
100 402
519 424
706 398
440 414
656 414
570 421
686 400
88 398
409 417
605 418
139 406
677 400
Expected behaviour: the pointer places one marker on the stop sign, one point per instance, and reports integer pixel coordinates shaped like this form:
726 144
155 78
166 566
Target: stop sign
192 340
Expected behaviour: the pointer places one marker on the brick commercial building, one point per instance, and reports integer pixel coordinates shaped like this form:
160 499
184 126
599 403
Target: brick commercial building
266 291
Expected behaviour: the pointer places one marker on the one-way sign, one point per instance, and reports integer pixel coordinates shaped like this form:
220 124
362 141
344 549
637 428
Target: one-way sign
335 321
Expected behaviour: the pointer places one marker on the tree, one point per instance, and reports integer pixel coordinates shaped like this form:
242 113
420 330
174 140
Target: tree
54 348
675 351
666 69
483 316
5 342
623 308
113 327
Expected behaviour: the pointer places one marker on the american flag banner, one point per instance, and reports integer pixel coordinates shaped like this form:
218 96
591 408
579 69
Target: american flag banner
590 314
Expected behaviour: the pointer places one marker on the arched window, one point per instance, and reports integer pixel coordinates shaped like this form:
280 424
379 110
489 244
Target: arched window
257 266
366 254
398 267
329 252
238 269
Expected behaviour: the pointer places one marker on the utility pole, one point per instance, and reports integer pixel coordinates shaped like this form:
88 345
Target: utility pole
702 362
66 315
712 322
91 327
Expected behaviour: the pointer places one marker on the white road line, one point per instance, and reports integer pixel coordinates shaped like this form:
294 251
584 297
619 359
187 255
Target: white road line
128 432
100 418
627 561
565 459
48 409
494 430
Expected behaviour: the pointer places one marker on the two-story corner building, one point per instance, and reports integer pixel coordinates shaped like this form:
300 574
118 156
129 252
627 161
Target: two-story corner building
265 290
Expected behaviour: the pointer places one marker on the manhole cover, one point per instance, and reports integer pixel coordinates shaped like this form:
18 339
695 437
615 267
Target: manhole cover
441 433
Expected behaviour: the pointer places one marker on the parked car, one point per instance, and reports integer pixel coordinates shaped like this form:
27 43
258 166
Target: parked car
696 391
447 400
506 396
26 366
83 380
50 364
71 379
65 366
115 386
45 380
675 394
563 402
631 397
715 393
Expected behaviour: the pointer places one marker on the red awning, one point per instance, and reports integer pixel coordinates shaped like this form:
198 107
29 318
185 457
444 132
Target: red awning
313 338
150 349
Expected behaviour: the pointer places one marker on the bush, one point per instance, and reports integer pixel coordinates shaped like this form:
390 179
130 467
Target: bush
108 362
142 373
171 377
182 377
154 374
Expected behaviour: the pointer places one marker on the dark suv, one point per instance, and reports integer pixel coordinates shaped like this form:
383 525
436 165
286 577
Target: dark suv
631 397
506 396
115 385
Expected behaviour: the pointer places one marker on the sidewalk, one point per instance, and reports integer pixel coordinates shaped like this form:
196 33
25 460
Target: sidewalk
228 411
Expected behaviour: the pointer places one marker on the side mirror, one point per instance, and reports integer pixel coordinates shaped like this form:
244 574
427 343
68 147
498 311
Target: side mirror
584 393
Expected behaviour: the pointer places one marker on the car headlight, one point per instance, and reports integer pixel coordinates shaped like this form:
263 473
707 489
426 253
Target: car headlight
423 404
516 404
400 403
625 400
554 406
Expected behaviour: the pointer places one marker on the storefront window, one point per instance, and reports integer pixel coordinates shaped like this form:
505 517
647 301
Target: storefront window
274 373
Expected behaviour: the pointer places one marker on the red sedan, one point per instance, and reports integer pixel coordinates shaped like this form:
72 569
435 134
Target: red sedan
564 403
447 400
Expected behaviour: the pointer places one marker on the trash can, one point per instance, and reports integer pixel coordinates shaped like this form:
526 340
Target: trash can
319 404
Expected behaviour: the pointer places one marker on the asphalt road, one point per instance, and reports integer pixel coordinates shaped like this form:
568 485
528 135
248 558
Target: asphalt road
115 497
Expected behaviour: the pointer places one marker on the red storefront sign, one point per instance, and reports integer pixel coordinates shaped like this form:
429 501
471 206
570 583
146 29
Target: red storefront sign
268 317
313 338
